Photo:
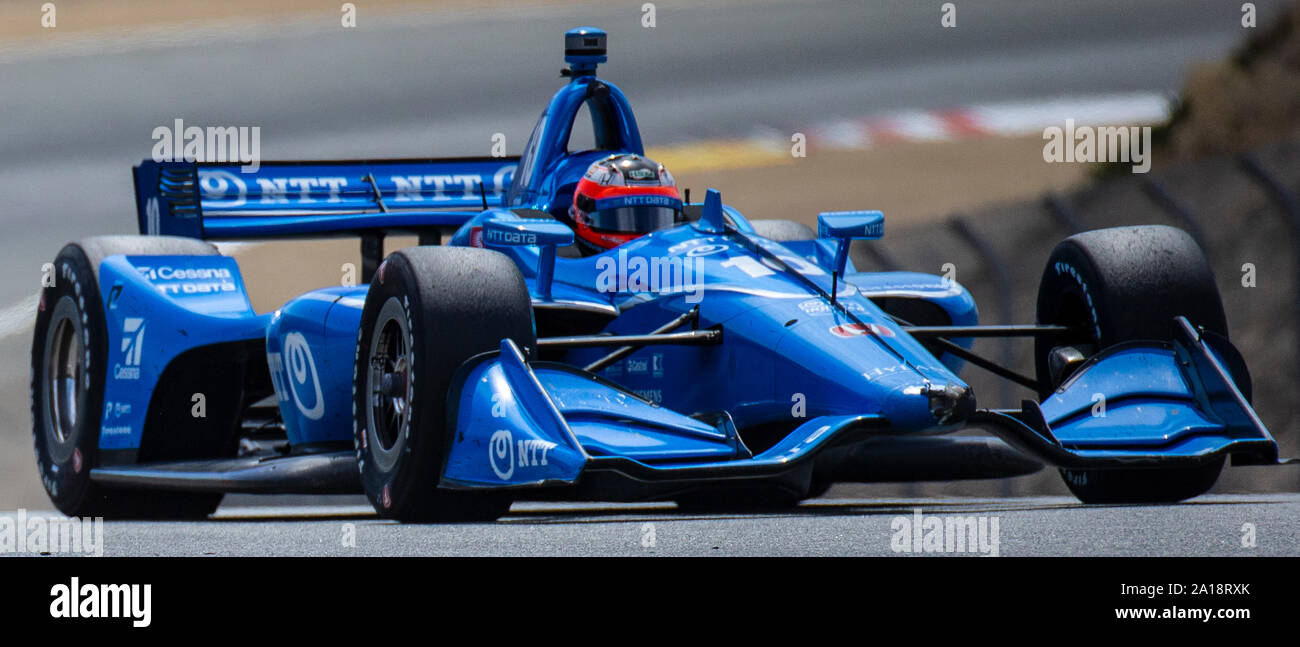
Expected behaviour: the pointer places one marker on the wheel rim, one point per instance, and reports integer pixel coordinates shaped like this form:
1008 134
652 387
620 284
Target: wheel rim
388 384
64 374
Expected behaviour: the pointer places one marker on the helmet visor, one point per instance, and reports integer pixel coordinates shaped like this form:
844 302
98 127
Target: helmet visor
633 214
632 220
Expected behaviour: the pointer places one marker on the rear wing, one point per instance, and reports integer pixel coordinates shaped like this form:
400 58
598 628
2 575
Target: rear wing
215 201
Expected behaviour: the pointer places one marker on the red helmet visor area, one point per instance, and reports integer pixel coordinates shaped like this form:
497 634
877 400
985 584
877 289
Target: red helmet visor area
608 216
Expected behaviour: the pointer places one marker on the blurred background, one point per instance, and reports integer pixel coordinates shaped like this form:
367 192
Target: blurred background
932 112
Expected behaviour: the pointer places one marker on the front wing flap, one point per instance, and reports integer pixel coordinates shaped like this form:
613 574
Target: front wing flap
1145 404
542 424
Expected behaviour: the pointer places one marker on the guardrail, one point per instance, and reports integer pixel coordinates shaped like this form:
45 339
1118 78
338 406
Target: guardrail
1002 283
1289 203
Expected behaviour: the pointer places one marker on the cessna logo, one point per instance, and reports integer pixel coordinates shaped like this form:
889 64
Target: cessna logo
132 345
190 280
859 330
167 273
504 454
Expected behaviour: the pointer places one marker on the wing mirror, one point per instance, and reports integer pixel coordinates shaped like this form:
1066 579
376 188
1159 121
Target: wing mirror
506 229
843 227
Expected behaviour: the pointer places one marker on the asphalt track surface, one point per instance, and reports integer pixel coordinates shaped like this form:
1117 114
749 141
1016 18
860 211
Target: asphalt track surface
75 121
1042 526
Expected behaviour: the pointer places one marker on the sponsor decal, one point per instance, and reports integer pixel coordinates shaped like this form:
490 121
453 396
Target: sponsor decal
652 395
414 188
638 365
133 329
505 454
501 454
500 237
222 189
476 236
299 190
293 374
172 281
879 372
117 409
639 201
819 307
691 242
860 330
705 250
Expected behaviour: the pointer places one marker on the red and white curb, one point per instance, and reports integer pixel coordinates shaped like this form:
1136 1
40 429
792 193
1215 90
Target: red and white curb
770 146
1009 119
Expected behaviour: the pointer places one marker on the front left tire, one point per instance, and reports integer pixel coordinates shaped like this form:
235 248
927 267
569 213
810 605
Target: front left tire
68 369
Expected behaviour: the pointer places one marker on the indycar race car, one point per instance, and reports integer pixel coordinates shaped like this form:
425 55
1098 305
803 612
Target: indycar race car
569 328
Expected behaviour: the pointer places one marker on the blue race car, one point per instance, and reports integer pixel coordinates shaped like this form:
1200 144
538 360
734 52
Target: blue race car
570 328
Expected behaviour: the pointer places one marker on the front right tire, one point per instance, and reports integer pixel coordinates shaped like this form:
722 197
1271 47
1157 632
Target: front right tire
428 310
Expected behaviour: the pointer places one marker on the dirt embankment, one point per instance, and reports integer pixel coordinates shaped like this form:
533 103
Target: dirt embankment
1250 100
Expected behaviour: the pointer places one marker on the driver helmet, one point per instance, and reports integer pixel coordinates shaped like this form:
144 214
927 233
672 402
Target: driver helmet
622 197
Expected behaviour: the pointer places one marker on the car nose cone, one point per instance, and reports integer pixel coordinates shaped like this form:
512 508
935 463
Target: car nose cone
950 403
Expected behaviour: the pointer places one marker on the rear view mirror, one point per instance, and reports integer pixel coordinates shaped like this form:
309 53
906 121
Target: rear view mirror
509 229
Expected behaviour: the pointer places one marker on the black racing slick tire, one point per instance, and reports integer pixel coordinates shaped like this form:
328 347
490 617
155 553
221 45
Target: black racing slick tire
1124 284
69 355
783 231
428 310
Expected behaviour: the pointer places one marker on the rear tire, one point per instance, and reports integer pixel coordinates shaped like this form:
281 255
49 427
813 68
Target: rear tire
428 310
69 355
1123 284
